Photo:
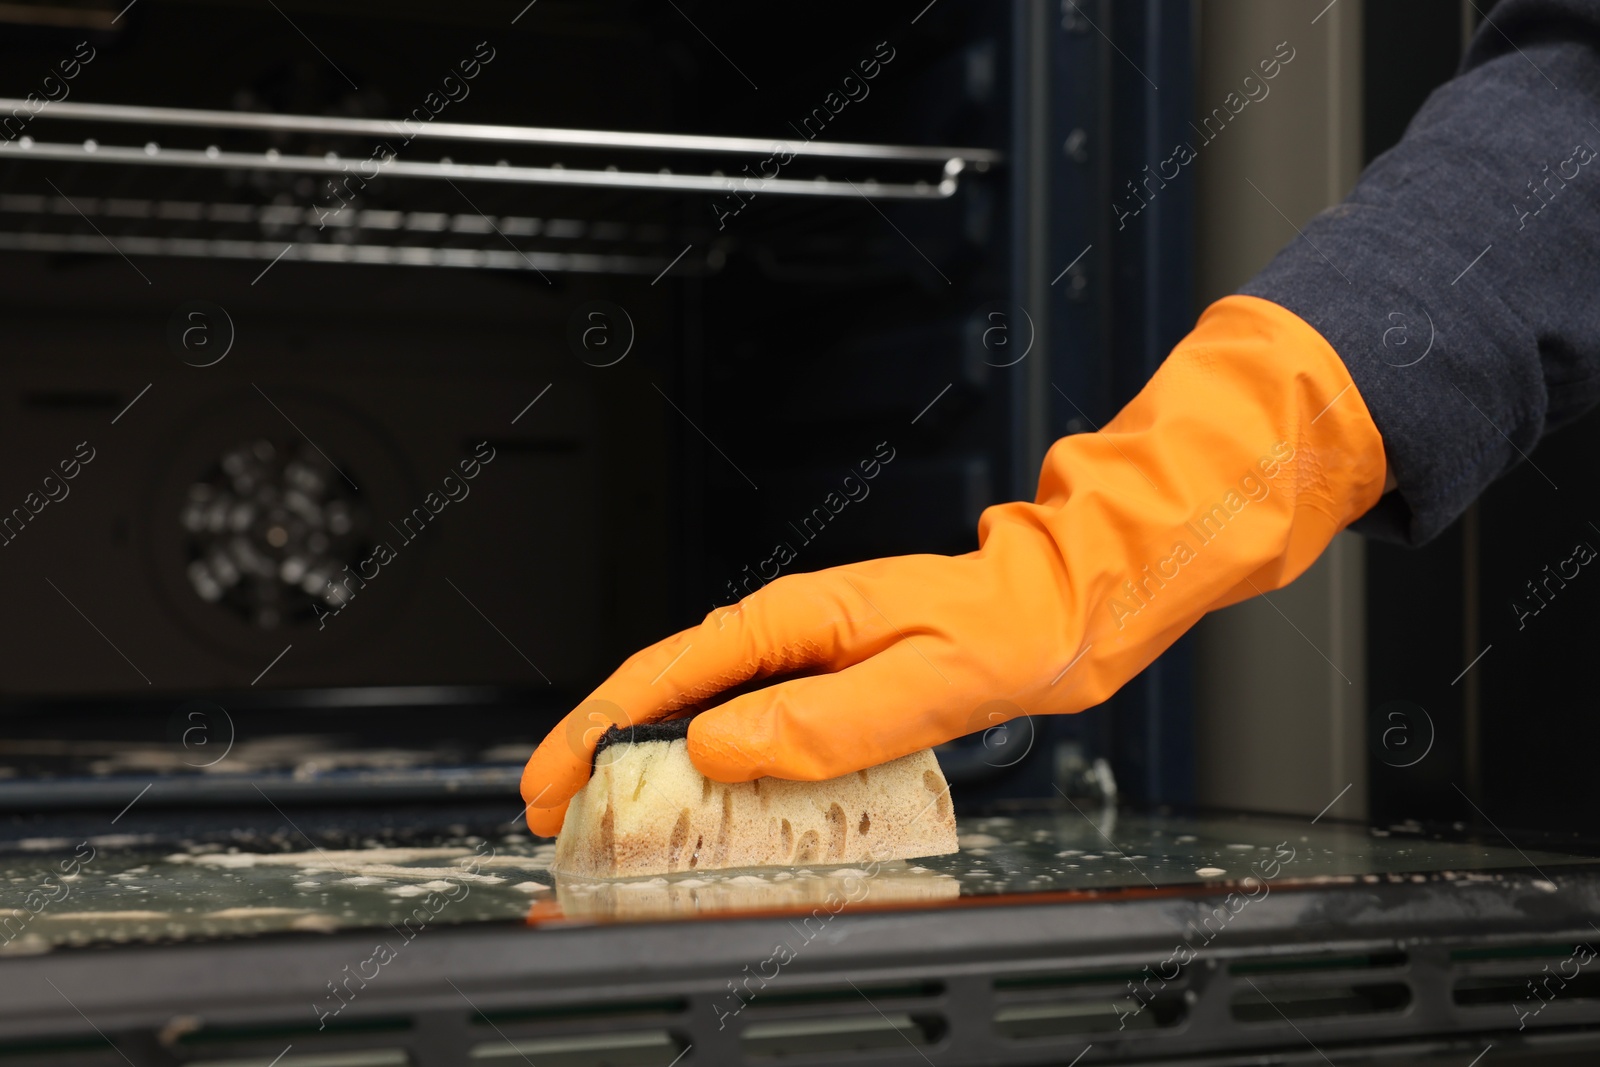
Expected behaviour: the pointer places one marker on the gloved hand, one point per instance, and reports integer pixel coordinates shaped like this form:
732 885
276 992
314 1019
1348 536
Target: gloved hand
1229 473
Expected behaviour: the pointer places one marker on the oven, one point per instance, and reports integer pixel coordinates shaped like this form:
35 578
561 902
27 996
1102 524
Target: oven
376 377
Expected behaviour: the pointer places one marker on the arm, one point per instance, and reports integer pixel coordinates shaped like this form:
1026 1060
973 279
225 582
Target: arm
1500 163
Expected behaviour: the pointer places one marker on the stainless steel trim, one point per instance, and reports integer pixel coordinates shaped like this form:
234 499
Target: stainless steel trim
675 142
154 155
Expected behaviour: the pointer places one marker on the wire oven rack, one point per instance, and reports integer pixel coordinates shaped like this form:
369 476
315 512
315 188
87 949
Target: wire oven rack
249 185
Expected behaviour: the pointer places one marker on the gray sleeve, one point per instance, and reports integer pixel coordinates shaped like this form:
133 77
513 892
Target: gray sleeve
1460 280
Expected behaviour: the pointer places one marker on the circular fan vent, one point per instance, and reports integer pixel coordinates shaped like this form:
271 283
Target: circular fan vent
270 529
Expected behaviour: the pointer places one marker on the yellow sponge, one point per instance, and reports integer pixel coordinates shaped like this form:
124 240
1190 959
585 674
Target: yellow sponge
647 811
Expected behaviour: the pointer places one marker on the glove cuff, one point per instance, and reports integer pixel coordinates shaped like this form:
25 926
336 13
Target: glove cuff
1225 477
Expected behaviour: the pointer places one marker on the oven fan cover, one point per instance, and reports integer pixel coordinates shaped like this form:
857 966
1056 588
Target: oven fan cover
250 526
272 529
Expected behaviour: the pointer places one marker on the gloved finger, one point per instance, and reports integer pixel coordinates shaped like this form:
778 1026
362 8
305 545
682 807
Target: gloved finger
560 765
809 729
796 622
546 822
544 780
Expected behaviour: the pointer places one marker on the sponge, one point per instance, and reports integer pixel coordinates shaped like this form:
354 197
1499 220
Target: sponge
646 810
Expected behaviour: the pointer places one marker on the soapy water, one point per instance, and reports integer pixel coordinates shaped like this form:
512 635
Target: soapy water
135 889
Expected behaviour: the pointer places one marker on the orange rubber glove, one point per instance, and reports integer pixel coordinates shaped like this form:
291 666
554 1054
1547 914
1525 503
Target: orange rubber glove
1229 473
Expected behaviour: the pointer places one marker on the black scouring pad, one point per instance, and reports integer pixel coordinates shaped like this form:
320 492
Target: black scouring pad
670 730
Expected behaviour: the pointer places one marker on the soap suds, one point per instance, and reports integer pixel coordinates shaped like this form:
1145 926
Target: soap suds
327 859
977 840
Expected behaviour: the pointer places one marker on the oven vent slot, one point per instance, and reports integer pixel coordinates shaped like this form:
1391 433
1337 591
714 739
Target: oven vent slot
591 1034
840 1020
1071 979
1086 1015
1507 974
1531 988
331 1045
636 1048
1318 986
381 1057
841 1034
1334 999
1533 950
1077 1003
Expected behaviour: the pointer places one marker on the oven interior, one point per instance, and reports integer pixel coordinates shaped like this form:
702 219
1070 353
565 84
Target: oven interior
415 366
